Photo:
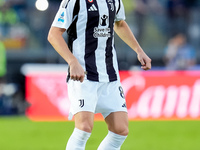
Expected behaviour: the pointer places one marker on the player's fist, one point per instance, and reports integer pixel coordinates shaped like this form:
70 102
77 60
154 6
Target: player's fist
76 71
144 60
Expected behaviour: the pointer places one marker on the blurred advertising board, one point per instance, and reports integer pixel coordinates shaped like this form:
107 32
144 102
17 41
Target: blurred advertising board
157 95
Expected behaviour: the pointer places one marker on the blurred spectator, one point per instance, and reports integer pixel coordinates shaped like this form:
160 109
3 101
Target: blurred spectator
2 60
12 25
20 7
178 15
179 54
142 10
8 17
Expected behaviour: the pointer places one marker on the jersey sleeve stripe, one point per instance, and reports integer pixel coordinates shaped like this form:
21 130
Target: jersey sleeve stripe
65 3
119 6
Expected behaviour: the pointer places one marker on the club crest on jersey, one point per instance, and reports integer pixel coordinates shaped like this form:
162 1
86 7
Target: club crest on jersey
91 1
110 2
61 19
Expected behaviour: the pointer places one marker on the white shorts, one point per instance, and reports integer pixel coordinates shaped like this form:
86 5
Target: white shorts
96 97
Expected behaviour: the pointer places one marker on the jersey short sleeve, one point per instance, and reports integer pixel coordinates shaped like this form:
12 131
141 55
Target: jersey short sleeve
120 14
63 18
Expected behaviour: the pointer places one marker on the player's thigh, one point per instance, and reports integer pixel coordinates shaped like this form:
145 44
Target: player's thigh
111 99
118 122
84 120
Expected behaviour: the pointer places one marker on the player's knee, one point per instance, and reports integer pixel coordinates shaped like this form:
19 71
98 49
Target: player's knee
87 127
121 130
125 132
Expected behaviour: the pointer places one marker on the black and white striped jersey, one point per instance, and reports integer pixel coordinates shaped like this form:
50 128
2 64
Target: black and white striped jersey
89 24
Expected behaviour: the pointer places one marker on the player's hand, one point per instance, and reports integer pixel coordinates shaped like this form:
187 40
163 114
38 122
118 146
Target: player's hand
76 71
144 60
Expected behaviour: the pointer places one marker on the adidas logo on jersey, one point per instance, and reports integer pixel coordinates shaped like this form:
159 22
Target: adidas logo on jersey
92 8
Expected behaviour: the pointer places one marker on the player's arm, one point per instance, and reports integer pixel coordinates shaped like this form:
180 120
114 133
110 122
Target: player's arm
57 41
123 31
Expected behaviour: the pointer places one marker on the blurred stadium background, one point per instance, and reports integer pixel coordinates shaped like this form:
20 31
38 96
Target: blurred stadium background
162 27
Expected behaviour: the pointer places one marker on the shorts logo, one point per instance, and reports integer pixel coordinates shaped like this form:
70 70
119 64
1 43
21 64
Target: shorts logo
124 105
81 103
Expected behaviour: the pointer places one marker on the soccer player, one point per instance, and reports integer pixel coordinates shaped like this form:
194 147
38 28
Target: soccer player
93 79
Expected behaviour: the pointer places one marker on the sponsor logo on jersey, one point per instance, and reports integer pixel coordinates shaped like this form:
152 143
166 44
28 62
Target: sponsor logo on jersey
102 31
103 20
61 19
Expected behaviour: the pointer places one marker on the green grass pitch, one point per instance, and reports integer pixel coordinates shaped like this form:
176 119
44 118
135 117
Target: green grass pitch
19 133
